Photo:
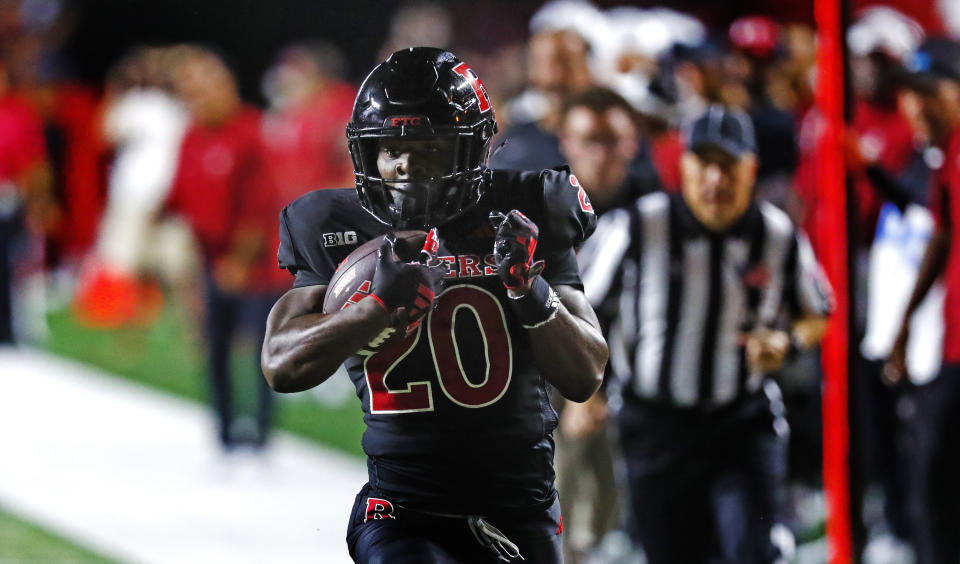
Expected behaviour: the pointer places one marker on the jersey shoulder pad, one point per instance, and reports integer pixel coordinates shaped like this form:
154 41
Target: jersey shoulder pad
320 228
570 215
554 199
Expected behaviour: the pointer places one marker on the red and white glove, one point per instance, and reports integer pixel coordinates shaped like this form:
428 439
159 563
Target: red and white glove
533 300
409 287
513 250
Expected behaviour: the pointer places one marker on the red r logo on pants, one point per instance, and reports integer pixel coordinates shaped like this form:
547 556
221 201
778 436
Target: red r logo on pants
378 509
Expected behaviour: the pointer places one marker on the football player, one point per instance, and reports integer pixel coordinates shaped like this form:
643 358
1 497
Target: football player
459 437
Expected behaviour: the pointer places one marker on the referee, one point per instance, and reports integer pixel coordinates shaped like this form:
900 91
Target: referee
708 292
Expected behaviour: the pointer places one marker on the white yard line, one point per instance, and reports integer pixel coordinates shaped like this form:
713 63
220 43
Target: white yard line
135 474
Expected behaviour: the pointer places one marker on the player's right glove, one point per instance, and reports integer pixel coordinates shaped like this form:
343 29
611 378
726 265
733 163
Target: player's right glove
513 250
534 301
408 286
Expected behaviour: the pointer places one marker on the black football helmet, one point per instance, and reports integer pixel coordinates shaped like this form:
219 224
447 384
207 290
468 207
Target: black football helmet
421 93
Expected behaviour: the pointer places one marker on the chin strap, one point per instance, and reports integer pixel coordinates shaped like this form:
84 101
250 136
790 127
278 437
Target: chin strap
497 149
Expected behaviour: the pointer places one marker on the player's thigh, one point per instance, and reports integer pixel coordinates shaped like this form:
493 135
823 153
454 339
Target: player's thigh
389 542
539 536
380 532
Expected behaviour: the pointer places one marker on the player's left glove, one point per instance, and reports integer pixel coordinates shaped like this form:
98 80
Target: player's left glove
410 286
513 250
534 301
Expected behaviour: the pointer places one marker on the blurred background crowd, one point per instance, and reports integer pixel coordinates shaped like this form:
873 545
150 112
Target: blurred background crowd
147 148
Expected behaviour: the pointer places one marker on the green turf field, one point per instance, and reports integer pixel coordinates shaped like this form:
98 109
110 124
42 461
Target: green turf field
169 356
22 542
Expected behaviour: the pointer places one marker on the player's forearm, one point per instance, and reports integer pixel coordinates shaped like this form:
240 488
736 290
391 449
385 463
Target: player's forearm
303 351
570 354
934 261
570 350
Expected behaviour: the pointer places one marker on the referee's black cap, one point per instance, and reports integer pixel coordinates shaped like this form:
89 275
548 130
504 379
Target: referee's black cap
720 127
937 58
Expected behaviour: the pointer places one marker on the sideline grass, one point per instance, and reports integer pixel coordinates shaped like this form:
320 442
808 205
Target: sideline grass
168 356
23 542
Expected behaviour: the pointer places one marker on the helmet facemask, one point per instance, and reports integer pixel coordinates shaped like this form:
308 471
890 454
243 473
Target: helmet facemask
429 193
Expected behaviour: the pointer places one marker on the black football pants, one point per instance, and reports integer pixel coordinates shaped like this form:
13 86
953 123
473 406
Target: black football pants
381 533
706 487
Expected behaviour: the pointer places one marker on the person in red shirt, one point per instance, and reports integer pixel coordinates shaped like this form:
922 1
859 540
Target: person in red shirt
221 188
24 189
74 113
303 134
882 136
879 142
68 111
936 79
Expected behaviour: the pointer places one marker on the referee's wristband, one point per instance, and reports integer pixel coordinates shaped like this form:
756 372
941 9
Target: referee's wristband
538 306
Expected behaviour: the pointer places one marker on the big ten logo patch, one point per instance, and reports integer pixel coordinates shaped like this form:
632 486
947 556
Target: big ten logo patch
585 204
378 509
339 238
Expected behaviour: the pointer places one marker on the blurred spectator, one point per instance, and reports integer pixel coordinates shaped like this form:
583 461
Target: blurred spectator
599 137
26 203
755 60
698 69
797 71
557 65
37 69
222 189
585 21
885 162
802 378
935 77
419 23
303 133
144 123
68 109
641 71
709 290
879 42
792 89
639 42
659 119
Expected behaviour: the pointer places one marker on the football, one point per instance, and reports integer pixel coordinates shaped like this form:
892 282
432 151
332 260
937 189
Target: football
351 282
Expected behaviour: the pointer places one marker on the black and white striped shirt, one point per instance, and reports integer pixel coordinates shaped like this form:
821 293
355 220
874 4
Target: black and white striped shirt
678 297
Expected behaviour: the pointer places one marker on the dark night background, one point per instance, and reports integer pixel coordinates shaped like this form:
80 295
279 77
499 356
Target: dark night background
250 32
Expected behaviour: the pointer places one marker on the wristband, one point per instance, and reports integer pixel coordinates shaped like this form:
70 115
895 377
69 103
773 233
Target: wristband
377 299
538 306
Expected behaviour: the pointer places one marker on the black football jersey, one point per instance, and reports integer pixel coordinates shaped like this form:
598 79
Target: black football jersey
458 418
